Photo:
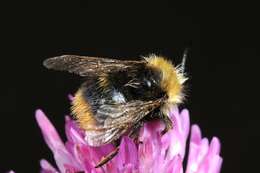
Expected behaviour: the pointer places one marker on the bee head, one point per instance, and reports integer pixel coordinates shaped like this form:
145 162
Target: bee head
167 77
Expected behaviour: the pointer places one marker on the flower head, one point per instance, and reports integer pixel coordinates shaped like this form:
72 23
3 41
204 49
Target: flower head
155 153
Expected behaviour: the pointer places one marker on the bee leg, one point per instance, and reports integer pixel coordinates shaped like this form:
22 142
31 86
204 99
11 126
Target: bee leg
134 133
168 124
108 157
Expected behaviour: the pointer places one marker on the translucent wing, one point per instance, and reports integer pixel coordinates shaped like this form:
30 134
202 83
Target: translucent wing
117 120
88 66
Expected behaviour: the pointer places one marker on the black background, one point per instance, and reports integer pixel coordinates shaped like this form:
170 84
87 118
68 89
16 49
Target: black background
222 66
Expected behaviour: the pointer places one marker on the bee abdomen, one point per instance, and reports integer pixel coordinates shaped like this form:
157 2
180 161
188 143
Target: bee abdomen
82 111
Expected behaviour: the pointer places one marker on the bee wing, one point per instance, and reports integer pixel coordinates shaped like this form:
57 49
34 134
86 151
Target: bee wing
88 66
119 118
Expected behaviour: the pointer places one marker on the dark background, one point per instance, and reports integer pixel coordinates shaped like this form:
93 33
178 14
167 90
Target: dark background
222 66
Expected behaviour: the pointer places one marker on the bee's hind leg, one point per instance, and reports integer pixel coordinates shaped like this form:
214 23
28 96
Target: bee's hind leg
132 134
109 156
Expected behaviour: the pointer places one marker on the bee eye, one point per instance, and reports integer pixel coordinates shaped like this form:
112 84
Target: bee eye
148 83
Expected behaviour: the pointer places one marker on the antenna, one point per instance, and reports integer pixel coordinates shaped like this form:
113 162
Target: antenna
184 57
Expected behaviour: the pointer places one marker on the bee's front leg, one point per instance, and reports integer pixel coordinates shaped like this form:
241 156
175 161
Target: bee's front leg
168 124
134 133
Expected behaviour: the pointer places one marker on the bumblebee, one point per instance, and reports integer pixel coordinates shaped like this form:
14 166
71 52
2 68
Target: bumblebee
119 95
